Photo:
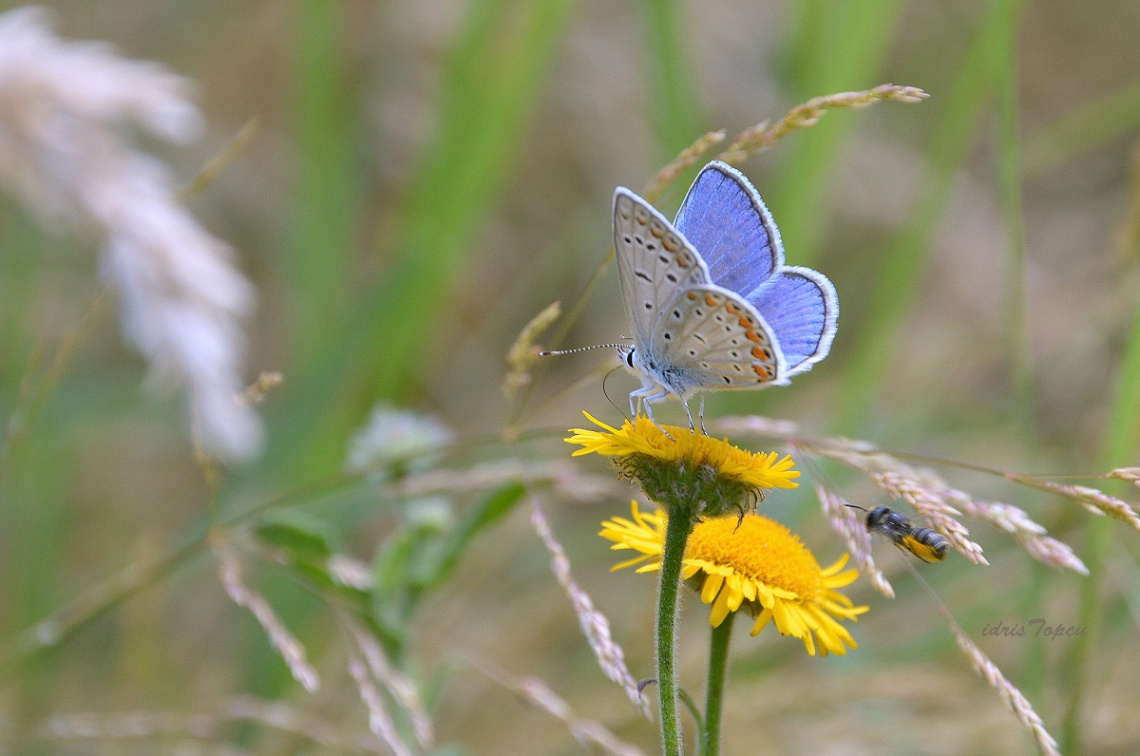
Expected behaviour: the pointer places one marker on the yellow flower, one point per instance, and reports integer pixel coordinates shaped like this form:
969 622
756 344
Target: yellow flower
711 475
753 563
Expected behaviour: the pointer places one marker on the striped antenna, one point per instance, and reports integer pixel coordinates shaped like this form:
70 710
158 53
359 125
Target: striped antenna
553 352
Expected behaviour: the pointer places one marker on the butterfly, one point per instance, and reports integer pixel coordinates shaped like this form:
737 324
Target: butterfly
711 303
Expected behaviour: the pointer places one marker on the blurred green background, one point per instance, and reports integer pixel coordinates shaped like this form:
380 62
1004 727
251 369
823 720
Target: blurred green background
427 176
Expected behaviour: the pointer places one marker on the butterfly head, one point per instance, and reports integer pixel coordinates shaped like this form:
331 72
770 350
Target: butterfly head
627 353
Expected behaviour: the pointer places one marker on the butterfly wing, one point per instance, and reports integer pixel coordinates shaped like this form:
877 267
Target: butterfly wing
654 263
801 307
709 338
724 218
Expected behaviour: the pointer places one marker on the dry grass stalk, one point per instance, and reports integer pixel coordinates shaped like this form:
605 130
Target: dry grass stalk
290 649
1029 534
685 160
585 731
846 521
594 624
401 689
1092 499
1009 693
764 134
1125 473
524 352
379 722
205 725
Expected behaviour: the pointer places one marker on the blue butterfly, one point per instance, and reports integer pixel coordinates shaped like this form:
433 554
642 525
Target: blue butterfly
710 300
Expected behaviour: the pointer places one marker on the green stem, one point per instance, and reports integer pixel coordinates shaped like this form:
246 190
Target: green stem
676 534
714 698
1121 447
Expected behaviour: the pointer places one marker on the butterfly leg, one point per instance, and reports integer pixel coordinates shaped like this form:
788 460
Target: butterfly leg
685 404
647 395
701 415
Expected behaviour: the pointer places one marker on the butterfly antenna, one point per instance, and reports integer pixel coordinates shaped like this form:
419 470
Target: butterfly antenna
856 506
554 352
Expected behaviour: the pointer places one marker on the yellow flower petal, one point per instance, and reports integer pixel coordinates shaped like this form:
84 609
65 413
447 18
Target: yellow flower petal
757 564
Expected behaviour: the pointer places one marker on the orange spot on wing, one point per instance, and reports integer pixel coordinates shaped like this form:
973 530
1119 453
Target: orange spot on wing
692 296
763 372
669 244
732 309
751 336
709 300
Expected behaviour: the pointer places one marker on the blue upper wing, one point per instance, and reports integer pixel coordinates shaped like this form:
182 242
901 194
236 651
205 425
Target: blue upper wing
801 308
727 223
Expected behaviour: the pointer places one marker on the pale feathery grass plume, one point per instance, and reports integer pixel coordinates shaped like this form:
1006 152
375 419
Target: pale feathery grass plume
1092 499
399 687
937 500
1131 474
845 521
290 649
64 107
1030 535
585 731
1014 698
524 352
594 624
205 725
763 135
379 721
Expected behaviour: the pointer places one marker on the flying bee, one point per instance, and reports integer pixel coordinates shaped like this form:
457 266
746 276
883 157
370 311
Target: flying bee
926 544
